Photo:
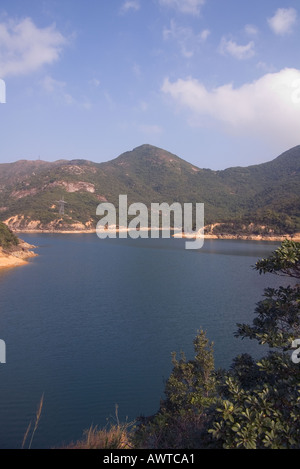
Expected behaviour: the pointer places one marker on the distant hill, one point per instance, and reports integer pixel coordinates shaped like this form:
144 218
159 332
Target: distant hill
263 198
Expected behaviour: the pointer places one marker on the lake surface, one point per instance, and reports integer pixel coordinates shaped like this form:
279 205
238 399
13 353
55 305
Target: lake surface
92 323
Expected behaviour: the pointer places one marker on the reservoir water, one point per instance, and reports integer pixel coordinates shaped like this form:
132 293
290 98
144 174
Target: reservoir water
91 324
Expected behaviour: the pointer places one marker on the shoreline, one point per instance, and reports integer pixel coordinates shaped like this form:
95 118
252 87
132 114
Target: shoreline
246 237
254 237
20 257
16 257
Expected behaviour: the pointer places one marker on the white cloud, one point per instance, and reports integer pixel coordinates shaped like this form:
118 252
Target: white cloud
240 52
251 30
57 89
267 108
265 67
192 7
94 82
204 34
185 37
130 5
283 21
24 47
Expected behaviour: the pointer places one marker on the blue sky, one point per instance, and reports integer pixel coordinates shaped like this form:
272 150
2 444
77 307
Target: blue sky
216 82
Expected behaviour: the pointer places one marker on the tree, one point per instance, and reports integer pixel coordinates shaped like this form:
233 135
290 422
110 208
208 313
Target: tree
256 403
261 400
284 261
190 393
7 238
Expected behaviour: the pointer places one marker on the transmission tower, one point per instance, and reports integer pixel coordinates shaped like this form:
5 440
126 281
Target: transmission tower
61 206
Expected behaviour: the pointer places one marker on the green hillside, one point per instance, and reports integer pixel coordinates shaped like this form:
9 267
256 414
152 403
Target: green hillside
253 197
7 239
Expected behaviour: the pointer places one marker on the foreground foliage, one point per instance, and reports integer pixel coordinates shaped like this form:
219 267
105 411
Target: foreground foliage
183 416
255 404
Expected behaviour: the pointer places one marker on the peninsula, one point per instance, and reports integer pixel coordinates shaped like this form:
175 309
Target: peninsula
13 251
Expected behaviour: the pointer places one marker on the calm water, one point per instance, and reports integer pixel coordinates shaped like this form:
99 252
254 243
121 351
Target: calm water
93 323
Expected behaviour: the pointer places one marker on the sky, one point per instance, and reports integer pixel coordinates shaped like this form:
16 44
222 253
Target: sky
216 82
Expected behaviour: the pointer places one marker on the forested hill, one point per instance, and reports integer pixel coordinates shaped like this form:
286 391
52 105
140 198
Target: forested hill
261 198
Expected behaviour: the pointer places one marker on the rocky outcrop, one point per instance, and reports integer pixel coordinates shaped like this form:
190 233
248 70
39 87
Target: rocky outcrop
79 186
16 256
20 224
251 231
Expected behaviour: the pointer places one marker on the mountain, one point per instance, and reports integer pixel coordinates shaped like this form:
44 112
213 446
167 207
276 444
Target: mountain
260 198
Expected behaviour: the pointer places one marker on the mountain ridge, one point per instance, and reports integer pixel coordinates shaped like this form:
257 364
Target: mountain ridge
265 194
